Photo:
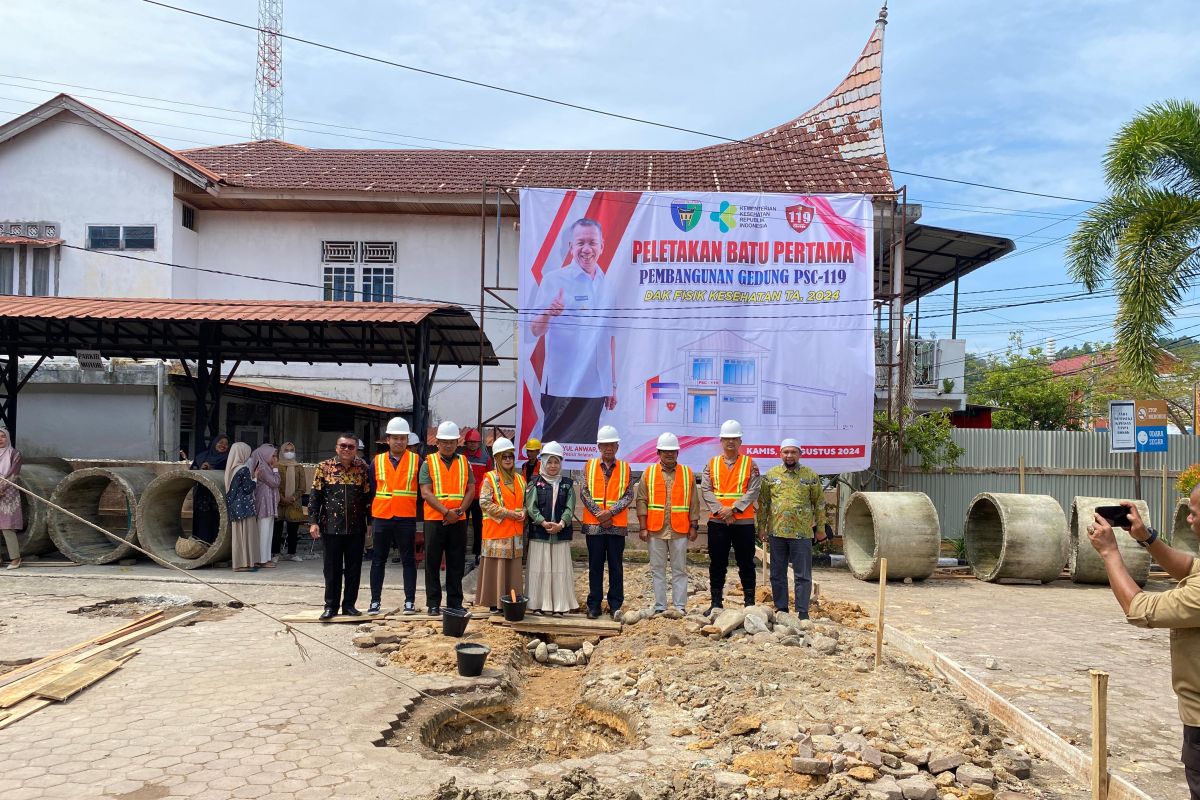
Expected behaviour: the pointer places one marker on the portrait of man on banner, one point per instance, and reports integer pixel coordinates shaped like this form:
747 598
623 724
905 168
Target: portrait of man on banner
570 313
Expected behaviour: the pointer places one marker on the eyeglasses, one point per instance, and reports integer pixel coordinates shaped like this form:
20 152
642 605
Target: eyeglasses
507 455
347 447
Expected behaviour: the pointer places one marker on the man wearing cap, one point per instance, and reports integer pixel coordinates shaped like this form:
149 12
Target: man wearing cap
729 489
791 511
448 487
532 465
481 463
579 379
668 510
606 491
393 478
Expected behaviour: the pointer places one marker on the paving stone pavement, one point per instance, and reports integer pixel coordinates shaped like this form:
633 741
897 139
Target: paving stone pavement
1045 639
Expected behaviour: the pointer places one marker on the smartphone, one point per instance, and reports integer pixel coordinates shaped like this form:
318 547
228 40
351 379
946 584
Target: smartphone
1117 516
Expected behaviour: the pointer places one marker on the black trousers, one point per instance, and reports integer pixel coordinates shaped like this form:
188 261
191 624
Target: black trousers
451 541
1191 759
797 553
400 532
720 538
277 538
475 514
606 548
343 560
570 419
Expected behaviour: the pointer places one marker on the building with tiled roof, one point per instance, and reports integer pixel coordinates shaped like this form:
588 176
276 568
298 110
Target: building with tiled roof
110 212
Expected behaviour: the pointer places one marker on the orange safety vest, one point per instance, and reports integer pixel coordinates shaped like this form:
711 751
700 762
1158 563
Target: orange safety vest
730 484
681 498
606 492
395 487
508 499
449 485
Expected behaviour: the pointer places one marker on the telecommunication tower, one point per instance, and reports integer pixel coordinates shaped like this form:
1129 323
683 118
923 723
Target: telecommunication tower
268 79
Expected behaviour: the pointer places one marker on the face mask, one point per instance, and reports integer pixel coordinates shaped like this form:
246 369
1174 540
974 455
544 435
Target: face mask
289 456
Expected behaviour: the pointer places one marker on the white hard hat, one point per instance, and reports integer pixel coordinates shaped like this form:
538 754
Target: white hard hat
413 439
503 445
789 443
731 429
607 434
551 449
447 430
397 426
667 441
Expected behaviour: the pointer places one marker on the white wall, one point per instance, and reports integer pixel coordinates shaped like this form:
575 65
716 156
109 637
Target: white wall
67 171
437 259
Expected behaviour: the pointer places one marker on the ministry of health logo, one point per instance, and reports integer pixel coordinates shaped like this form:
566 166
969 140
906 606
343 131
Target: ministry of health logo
686 215
726 217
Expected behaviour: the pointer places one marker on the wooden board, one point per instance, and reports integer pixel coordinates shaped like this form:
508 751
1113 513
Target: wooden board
23 710
83 676
27 687
311 616
15 675
133 636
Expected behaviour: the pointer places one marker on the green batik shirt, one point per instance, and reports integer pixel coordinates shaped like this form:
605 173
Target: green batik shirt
791 502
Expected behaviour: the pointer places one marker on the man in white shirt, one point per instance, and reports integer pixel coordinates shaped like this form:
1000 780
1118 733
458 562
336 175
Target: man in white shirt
579 379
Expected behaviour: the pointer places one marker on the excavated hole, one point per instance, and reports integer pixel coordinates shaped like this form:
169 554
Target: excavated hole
537 734
132 607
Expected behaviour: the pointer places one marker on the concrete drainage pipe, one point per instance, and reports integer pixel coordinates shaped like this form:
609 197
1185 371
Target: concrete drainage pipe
899 526
106 496
160 517
1085 563
41 480
1017 536
1182 535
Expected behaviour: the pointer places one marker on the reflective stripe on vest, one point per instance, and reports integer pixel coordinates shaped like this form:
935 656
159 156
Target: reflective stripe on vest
510 500
606 492
449 485
395 487
681 498
729 486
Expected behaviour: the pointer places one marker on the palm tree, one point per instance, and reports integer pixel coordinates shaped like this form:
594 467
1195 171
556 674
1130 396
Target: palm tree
1146 235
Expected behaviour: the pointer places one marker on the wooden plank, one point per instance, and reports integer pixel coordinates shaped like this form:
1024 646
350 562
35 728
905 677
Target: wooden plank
83 676
23 710
879 619
133 636
17 674
311 616
1099 734
27 687
1072 760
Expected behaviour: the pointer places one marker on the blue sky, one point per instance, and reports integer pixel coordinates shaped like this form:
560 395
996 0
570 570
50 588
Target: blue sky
1023 94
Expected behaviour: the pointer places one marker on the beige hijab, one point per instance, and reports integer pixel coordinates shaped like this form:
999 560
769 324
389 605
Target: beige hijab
291 472
239 454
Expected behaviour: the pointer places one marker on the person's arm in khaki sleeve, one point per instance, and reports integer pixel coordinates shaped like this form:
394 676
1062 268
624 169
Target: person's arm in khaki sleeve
1176 608
640 503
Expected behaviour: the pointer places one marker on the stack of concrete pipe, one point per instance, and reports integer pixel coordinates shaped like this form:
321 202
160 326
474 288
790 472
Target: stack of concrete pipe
902 527
1182 536
41 479
160 521
1015 537
82 492
1085 563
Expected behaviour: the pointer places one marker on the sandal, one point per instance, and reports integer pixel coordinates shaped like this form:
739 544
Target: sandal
268 565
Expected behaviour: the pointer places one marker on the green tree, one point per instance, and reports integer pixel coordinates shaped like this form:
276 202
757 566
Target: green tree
1028 393
1146 234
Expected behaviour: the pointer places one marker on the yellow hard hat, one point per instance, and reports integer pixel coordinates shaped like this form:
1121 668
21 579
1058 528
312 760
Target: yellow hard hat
533 444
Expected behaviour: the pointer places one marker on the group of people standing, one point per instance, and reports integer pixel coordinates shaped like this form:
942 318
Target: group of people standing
263 497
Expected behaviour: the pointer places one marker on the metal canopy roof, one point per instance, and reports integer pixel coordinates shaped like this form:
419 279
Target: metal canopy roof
935 257
242 330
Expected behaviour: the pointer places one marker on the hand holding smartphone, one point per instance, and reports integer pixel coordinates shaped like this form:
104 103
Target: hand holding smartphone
1117 516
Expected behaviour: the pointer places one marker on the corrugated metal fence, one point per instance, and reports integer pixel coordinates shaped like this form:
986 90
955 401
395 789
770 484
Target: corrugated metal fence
1062 464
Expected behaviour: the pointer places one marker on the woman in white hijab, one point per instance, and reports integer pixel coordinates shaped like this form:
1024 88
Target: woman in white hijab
550 511
11 518
239 499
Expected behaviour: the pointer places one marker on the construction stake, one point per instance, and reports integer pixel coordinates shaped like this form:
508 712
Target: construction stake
1099 734
879 620
1021 467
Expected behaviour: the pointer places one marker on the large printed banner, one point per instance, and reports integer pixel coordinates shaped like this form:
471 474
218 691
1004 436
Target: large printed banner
657 312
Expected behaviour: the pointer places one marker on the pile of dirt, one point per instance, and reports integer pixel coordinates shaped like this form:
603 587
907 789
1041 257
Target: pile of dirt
421 647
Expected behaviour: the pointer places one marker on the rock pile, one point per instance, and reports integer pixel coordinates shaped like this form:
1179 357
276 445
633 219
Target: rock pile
560 654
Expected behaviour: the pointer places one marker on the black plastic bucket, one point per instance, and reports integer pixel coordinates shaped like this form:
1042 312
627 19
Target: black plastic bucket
471 657
454 621
514 612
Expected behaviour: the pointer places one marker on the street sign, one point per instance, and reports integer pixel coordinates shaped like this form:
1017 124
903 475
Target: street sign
1152 418
1122 428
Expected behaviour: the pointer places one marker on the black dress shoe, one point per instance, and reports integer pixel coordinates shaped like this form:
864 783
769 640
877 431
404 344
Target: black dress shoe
435 611
329 613
351 611
593 614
